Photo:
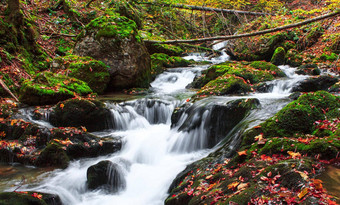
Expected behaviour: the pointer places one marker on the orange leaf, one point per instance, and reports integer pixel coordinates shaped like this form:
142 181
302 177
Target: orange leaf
233 185
61 105
303 193
84 129
209 177
244 152
318 184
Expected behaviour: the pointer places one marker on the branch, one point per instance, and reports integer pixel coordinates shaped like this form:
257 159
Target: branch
4 86
203 8
88 4
199 40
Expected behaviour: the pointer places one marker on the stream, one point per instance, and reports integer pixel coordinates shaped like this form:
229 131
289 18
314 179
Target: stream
153 153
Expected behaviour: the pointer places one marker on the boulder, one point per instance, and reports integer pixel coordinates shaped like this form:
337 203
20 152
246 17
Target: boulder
107 176
221 118
53 155
91 114
114 40
278 57
314 84
87 69
50 88
29 198
308 69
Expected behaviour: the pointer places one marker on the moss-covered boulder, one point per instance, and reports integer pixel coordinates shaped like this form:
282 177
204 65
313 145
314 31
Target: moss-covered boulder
114 40
53 155
308 69
161 61
299 116
29 198
107 176
293 58
170 50
91 114
87 69
252 72
315 83
225 85
278 57
49 88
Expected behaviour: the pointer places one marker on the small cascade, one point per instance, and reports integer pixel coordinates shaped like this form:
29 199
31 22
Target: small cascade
284 86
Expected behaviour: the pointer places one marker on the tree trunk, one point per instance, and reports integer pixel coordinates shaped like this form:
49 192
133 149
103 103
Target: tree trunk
203 8
15 15
200 40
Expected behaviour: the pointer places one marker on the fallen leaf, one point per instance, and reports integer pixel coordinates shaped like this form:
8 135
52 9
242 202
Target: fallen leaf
294 155
61 105
318 184
244 152
233 185
303 193
242 186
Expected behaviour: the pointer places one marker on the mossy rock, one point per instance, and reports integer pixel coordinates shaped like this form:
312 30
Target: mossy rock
293 58
308 69
273 69
127 9
259 49
161 61
278 57
114 40
49 88
170 50
13 198
87 69
335 88
53 155
322 82
91 114
225 85
300 115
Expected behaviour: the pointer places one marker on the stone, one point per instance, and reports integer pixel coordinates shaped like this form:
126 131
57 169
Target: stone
315 83
107 176
114 40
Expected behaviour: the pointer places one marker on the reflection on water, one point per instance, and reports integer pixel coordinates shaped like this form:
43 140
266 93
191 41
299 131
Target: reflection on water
16 175
331 181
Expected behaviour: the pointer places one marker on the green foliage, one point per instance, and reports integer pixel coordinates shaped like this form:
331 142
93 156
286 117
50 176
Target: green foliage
332 57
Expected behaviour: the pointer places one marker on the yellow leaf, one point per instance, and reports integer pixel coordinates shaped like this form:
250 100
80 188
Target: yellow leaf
13 122
259 137
303 175
242 186
294 155
303 193
209 177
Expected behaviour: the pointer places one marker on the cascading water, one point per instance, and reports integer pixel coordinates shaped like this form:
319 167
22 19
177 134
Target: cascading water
153 153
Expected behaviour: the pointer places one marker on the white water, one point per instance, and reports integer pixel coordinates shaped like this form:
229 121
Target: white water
152 153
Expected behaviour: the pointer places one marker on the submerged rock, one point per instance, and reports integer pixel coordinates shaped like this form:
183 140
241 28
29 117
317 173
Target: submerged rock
114 40
105 175
314 84
91 114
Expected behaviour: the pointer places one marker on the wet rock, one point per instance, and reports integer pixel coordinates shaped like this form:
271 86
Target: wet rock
107 176
308 69
114 40
263 87
53 155
315 84
91 114
217 119
278 57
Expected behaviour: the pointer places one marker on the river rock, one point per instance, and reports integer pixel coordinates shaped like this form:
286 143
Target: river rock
114 40
50 88
217 119
314 84
91 114
105 175
29 198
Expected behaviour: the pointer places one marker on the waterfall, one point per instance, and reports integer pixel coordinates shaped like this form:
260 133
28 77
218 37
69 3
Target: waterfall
153 151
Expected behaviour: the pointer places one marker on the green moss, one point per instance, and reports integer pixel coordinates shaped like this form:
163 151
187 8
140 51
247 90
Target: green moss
278 57
332 57
293 58
262 65
53 155
224 85
170 50
161 61
113 26
14 198
87 69
49 88
300 115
